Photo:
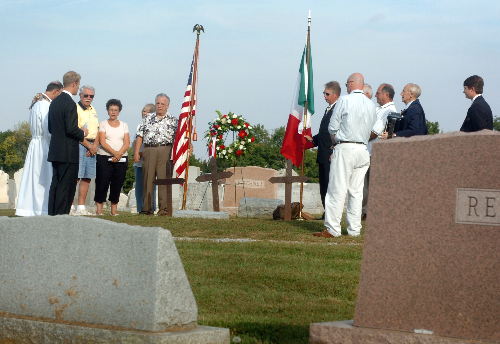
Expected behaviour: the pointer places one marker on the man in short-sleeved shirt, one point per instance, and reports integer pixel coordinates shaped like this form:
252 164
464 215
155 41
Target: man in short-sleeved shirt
87 118
157 131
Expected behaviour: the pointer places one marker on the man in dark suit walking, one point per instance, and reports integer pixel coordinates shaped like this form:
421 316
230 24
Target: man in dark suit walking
323 139
479 115
63 149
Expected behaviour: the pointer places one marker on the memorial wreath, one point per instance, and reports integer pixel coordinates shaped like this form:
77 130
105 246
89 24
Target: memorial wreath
220 127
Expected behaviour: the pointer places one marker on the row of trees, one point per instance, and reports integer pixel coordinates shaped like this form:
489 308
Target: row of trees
265 152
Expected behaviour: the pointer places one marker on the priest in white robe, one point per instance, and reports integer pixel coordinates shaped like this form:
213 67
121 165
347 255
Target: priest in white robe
33 198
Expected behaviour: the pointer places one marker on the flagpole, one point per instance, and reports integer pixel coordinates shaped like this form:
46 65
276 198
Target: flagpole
305 113
194 78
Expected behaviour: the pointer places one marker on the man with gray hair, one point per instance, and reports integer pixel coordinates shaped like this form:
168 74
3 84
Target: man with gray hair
385 96
87 119
367 90
157 132
414 122
350 127
323 140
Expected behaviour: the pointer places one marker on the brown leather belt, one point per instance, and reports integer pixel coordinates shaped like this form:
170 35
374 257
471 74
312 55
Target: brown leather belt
156 145
358 143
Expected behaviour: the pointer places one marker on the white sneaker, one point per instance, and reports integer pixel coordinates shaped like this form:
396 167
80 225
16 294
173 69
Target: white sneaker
72 212
84 212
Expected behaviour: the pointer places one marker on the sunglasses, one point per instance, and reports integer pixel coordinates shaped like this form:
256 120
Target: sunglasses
326 94
91 96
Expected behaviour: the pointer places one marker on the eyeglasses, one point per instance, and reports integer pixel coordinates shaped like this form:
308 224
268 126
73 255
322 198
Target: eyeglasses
347 83
91 96
326 94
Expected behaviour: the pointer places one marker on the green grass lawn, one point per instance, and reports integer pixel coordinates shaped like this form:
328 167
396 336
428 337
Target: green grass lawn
264 291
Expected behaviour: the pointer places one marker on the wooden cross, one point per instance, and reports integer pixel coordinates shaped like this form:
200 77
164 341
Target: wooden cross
214 178
288 180
168 182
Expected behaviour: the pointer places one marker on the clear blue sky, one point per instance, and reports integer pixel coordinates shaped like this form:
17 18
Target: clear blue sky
249 54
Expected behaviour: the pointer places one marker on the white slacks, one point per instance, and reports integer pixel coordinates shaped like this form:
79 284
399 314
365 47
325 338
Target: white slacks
349 164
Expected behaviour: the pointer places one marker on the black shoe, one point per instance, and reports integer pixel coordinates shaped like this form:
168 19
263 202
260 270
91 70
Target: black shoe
321 218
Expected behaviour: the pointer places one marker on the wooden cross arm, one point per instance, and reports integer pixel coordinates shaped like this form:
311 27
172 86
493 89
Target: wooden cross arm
296 179
169 181
208 177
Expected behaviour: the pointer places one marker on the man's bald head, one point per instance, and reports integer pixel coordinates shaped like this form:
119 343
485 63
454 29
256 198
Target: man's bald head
355 82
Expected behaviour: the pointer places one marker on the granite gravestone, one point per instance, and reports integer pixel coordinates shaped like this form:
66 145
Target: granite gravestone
68 279
430 268
249 181
4 188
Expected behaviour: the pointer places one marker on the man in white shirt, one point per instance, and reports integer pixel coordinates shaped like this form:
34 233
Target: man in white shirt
385 95
350 127
367 90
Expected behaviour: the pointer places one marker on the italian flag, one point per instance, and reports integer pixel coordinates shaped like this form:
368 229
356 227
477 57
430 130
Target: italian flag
294 142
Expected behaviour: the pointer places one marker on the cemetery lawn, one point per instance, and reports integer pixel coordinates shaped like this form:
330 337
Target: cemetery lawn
268 290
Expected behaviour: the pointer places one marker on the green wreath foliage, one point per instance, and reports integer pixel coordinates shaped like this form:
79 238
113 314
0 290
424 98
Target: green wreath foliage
220 127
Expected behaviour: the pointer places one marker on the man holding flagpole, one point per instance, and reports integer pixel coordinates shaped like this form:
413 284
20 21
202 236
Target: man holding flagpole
350 127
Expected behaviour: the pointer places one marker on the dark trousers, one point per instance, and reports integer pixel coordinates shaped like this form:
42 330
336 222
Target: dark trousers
62 188
324 175
109 175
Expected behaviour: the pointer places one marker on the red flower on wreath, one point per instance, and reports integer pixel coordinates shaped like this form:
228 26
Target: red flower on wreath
222 146
224 116
246 124
253 139
238 152
220 137
242 134
234 121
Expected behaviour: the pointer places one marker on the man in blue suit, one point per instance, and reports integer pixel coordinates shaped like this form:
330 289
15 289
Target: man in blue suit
413 122
479 115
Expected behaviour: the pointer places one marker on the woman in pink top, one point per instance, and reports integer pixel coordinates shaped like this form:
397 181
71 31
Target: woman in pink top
112 161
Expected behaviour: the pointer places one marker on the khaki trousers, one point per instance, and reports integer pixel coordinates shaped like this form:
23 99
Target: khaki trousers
154 166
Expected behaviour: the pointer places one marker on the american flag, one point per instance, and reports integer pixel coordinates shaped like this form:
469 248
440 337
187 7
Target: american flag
181 139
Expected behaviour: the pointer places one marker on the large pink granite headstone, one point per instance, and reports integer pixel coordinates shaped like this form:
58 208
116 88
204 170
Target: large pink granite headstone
249 181
431 259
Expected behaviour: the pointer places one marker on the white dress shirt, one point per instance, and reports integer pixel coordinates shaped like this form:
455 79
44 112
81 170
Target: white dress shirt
379 126
353 118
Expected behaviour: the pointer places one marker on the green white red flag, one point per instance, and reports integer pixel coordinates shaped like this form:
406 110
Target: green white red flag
294 142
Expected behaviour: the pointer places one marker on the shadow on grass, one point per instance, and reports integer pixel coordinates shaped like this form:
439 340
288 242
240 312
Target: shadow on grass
270 333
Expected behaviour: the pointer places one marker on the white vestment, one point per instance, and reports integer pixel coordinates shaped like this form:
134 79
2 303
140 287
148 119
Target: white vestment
33 196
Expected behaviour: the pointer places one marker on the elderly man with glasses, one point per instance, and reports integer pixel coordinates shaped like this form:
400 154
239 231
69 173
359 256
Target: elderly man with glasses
157 132
87 119
323 141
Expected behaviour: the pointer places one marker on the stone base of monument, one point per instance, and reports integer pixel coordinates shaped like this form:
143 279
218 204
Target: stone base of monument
258 207
75 279
344 332
201 214
15 330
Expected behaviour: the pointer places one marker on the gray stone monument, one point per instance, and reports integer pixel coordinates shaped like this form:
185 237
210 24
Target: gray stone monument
86 280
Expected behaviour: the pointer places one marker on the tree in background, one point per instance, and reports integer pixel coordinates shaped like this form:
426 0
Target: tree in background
13 147
496 123
265 152
433 127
